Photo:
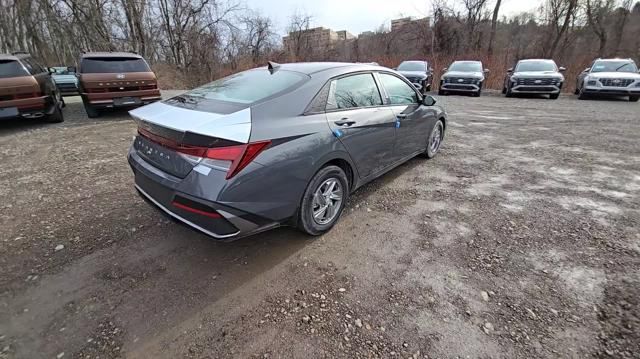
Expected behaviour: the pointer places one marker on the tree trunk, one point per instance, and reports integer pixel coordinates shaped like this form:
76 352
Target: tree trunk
494 24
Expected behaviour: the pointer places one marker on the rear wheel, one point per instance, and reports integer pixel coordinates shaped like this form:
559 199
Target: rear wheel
634 98
436 137
56 116
323 201
92 112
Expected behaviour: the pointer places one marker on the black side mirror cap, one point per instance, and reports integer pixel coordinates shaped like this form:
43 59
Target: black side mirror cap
562 69
429 100
510 70
486 71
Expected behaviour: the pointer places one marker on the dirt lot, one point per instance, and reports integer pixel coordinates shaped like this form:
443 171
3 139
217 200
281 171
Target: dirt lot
521 239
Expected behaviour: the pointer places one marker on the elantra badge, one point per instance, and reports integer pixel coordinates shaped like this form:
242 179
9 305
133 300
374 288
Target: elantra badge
120 76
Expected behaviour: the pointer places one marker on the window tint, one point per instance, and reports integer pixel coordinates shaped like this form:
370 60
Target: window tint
466 66
536 66
248 86
353 91
11 68
614 66
399 92
412 66
106 65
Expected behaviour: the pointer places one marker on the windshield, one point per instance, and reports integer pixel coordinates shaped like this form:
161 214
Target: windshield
413 66
614 66
466 66
536 66
11 68
248 86
107 65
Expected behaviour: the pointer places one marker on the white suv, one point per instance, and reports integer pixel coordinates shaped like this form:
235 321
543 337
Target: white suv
613 77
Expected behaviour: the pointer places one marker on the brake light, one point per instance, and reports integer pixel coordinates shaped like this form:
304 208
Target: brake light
240 156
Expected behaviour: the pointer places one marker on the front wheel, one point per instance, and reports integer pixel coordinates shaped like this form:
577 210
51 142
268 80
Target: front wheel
436 137
554 96
323 201
634 98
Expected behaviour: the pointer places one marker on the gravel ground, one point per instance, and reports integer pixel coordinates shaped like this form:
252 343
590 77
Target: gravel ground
521 239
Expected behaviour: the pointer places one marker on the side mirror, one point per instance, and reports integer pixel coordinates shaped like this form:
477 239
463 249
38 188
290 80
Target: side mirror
486 71
444 69
428 100
562 69
510 70
51 70
71 69
587 69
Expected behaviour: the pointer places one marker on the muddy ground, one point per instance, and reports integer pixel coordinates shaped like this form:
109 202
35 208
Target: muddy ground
521 239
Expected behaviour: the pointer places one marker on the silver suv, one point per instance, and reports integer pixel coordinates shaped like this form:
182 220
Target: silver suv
534 76
612 77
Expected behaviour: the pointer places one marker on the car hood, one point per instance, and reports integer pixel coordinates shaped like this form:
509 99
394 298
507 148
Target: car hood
477 75
539 74
421 74
65 78
615 75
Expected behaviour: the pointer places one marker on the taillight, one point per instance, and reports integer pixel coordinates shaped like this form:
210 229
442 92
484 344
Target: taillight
240 156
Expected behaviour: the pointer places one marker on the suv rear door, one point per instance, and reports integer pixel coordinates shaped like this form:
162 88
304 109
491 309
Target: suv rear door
358 117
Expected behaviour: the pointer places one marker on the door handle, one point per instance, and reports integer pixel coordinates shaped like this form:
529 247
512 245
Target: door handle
345 122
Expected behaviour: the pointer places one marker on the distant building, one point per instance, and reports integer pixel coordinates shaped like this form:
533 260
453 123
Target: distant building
366 34
318 39
399 24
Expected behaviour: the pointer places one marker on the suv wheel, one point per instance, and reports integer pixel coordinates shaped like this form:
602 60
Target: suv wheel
436 137
477 94
508 92
554 96
581 94
634 98
92 112
323 201
56 116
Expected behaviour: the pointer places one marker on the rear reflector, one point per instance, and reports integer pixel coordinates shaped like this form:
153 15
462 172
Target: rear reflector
239 155
212 214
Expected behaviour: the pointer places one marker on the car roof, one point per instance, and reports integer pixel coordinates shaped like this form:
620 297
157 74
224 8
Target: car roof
310 68
414 61
13 57
110 54
468 61
536 60
615 59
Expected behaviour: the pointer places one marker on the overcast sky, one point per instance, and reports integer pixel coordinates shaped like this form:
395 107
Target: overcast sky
357 16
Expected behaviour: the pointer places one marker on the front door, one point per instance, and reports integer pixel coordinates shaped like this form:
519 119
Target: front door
413 120
364 125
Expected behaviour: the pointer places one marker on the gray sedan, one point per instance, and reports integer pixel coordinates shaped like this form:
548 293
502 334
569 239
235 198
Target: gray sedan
279 145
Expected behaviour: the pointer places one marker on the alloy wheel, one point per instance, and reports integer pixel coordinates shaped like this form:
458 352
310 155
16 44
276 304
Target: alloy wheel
436 138
327 200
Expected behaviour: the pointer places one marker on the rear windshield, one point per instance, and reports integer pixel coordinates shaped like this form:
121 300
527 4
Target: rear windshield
466 66
249 86
11 68
536 66
107 65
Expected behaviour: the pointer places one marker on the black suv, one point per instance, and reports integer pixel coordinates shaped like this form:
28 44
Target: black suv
419 73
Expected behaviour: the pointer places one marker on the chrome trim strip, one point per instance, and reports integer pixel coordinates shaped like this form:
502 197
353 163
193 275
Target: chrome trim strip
182 219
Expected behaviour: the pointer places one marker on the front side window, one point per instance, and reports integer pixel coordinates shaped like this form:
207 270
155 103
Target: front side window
400 93
11 68
353 91
110 65
614 66
536 66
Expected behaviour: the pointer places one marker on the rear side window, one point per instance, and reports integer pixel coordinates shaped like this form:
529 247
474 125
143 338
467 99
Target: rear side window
353 91
11 68
248 86
107 65
400 93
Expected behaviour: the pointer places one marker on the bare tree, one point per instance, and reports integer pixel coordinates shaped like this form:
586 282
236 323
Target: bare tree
494 24
298 44
597 13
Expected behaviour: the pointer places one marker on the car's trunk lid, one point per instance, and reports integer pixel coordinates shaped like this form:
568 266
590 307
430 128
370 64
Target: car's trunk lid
12 88
114 82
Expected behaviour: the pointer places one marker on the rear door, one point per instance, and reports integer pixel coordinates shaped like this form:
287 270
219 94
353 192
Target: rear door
414 121
358 117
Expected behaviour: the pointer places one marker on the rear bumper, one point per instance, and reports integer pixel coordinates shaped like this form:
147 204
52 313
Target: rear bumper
34 107
169 193
68 89
106 99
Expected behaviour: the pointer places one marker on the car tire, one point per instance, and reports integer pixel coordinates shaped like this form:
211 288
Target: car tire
634 98
427 88
508 92
315 198
554 96
441 93
437 134
56 116
91 111
477 94
504 90
581 94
